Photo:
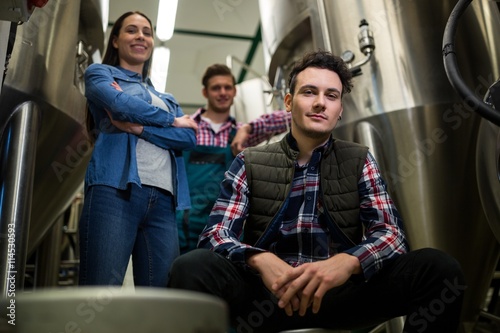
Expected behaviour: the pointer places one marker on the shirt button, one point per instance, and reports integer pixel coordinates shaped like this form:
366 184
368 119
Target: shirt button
308 198
313 168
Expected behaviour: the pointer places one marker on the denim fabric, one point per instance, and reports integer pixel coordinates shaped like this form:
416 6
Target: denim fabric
113 161
116 223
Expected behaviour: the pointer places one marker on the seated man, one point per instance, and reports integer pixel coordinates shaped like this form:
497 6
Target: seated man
301 207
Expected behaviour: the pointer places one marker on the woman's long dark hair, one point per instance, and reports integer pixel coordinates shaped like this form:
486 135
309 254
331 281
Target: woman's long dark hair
111 55
112 58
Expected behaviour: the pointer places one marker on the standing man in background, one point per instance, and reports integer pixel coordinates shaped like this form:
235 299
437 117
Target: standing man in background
220 137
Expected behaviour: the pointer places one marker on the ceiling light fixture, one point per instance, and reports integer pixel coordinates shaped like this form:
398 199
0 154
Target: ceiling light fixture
105 14
159 68
167 10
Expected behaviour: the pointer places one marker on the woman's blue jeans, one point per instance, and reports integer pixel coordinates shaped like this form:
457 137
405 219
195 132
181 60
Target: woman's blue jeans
138 221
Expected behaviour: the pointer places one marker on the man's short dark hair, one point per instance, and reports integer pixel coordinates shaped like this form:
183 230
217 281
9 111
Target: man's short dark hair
216 69
324 60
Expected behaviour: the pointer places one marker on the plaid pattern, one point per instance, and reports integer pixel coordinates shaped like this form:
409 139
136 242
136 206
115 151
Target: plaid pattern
264 127
304 236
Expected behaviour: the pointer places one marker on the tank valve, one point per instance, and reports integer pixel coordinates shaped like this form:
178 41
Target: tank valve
366 45
365 38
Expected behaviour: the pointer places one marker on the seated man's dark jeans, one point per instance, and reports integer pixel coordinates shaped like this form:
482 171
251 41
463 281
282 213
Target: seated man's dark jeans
427 286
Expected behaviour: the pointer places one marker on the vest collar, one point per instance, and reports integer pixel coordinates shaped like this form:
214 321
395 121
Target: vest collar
293 150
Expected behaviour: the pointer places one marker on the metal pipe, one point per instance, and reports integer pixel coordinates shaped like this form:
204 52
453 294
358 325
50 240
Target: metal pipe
324 25
229 63
49 256
489 316
17 165
357 66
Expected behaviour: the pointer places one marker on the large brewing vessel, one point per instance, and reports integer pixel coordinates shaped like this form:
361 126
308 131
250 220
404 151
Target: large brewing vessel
44 145
403 107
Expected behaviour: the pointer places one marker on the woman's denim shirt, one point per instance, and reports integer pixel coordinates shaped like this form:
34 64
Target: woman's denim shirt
113 161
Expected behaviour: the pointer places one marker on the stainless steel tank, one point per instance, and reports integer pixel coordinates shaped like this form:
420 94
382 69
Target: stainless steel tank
403 107
42 123
488 172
